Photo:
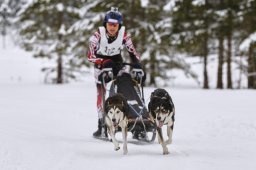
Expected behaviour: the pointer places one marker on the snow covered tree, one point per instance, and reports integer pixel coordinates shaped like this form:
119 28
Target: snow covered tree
150 34
220 31
227 24
229 27
233 7
9 10
83 28
44 31
248 36
191 22
198 24
4 22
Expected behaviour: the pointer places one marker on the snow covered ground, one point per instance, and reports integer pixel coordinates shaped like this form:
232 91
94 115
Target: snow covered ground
49 127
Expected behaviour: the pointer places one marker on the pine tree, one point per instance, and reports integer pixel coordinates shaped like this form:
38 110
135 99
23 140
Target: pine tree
231 24
45 32
154 33
191 27
9 10
4 22
220 31
83 28
220 57
248 28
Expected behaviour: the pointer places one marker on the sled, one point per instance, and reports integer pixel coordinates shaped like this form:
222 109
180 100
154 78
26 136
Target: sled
131 86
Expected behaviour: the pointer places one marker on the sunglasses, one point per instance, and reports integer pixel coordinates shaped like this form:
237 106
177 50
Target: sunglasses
112 24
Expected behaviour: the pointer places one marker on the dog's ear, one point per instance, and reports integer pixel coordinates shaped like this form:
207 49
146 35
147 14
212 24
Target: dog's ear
168 96
124 104
151 107
152 95
172 104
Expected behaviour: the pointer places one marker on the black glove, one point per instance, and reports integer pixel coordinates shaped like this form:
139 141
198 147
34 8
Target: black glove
142 77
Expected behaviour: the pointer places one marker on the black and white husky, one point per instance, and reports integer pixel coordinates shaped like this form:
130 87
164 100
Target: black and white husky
116 110
162 111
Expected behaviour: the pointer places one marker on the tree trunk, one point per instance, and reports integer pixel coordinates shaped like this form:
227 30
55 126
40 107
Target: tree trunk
59 70
59 51
206 85
254 66
251 69
205 56
220 63
205 49
229 55
229 52
152 63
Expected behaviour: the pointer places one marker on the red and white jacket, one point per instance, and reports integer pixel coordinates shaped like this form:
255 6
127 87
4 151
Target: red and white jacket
103 47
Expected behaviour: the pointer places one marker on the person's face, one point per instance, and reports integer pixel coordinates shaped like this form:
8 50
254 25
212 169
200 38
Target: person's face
112 28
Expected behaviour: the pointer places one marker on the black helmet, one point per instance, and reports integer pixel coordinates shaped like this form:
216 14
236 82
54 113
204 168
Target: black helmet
113 16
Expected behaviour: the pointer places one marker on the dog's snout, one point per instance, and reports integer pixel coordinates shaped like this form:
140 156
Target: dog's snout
114 120
158 118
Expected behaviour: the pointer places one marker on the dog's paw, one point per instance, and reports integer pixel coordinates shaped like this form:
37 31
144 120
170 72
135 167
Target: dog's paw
117 148
165 151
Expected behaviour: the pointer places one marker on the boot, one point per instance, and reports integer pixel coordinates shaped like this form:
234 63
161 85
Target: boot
98 132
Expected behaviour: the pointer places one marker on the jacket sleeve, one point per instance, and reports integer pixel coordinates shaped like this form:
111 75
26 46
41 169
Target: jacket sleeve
131 49
93 46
